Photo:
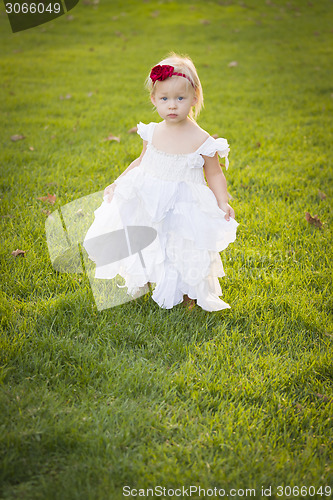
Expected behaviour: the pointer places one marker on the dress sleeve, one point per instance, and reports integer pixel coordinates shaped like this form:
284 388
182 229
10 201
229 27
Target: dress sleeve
220 145
145 131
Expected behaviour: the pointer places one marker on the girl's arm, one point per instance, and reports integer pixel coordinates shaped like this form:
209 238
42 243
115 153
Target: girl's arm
218 184
108 191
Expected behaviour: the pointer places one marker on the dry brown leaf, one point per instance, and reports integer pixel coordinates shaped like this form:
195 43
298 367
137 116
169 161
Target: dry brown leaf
132 130
232 64
205 21
17 137
112 137
18 252
215 136
31 148
50 198
322 396
321 195
258 144
313 220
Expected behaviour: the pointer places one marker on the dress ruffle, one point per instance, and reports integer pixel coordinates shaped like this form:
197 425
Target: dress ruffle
194 160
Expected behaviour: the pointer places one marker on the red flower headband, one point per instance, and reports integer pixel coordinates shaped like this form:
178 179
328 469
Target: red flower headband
163 72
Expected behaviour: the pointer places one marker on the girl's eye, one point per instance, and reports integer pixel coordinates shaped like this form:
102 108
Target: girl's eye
164 98
180 98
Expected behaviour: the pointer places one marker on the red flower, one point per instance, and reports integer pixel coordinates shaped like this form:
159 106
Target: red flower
161 72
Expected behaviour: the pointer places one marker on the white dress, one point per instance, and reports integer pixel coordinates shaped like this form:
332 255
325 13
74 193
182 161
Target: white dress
167 192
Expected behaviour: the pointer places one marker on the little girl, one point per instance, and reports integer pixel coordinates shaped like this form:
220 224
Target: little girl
165 189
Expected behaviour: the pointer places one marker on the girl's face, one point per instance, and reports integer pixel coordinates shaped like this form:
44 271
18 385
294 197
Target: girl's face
173 99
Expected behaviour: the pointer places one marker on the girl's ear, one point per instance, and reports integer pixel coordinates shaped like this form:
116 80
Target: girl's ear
152 98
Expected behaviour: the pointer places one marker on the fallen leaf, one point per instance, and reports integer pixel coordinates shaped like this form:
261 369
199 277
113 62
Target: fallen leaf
132 130
321 195
258 144
70 18
233 64
90 94
46 212
31 148
156 13
205 21
50 198
322 396
215 136
18 252
313 220
112 138
17 137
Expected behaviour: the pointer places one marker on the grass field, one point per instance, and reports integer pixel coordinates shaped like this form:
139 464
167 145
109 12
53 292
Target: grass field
136 395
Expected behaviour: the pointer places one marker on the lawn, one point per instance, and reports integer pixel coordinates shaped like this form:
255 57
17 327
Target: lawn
95 400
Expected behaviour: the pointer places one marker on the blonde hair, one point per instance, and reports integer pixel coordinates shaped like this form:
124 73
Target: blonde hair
182 64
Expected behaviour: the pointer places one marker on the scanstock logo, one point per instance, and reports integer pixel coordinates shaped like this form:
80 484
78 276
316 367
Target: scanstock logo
25 14
66 229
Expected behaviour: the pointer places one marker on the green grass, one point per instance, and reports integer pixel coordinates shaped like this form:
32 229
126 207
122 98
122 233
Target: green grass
137 395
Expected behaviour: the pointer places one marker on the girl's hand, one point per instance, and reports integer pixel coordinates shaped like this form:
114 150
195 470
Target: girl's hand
229 211
108 192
